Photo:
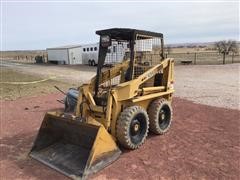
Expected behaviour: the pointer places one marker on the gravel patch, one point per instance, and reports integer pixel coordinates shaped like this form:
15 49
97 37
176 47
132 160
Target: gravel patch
214 85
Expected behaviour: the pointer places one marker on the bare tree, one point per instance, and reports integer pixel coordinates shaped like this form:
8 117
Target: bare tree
225 47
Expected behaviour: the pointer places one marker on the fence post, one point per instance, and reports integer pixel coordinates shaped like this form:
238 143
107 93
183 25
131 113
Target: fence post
224 56
195 58
232 57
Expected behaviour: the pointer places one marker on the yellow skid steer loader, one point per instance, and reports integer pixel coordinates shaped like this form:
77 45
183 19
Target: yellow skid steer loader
116 108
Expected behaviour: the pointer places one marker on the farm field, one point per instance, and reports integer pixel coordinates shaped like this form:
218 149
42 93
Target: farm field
203 141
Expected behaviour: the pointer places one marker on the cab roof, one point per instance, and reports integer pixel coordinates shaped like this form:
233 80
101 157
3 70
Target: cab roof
128 34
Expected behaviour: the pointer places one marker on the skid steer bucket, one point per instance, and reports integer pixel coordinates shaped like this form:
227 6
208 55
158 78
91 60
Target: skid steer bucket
74 148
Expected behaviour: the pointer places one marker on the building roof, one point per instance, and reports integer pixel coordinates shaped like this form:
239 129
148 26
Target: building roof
90 44
66 47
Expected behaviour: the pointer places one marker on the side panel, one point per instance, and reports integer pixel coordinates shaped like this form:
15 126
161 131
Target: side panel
75 55
90 52
60 55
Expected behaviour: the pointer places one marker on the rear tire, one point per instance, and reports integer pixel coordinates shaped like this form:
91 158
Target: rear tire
93 63
132 127
160 116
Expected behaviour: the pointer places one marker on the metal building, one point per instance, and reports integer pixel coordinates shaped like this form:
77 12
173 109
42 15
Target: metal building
65 54
114 55
88 53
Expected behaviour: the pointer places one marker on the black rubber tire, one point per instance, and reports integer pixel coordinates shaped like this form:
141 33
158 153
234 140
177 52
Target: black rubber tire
89 62
126 133
157 125
93 63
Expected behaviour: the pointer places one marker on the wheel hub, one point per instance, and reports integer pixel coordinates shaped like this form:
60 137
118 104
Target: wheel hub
136 127
162 115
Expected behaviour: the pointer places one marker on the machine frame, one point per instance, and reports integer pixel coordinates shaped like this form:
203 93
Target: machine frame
84 141
126 93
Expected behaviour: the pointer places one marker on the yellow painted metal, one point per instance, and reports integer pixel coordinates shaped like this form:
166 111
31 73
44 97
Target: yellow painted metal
109 111
80 96
111 73
157 88
98 123
151 96
116 109
130 89
96 108
91 100
151 89
104 144
73 147
144 104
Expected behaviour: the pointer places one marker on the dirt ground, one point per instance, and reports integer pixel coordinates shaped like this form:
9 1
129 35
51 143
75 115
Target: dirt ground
214 85
32 85
203 143
73 73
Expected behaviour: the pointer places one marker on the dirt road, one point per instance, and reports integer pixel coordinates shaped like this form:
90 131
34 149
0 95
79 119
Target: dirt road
203 143
215 85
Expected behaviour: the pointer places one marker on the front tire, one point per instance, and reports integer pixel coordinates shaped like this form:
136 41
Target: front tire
93 63
132 127
160 116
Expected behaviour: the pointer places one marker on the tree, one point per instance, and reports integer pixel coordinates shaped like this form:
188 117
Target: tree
225 47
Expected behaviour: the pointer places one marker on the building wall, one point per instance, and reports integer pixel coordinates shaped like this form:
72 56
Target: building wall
115 53
75 55
60 55
89 52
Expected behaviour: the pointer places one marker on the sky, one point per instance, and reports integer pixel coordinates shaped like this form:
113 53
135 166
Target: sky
40 25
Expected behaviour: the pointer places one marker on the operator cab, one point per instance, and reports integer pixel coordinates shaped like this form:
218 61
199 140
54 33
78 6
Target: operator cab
142 50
